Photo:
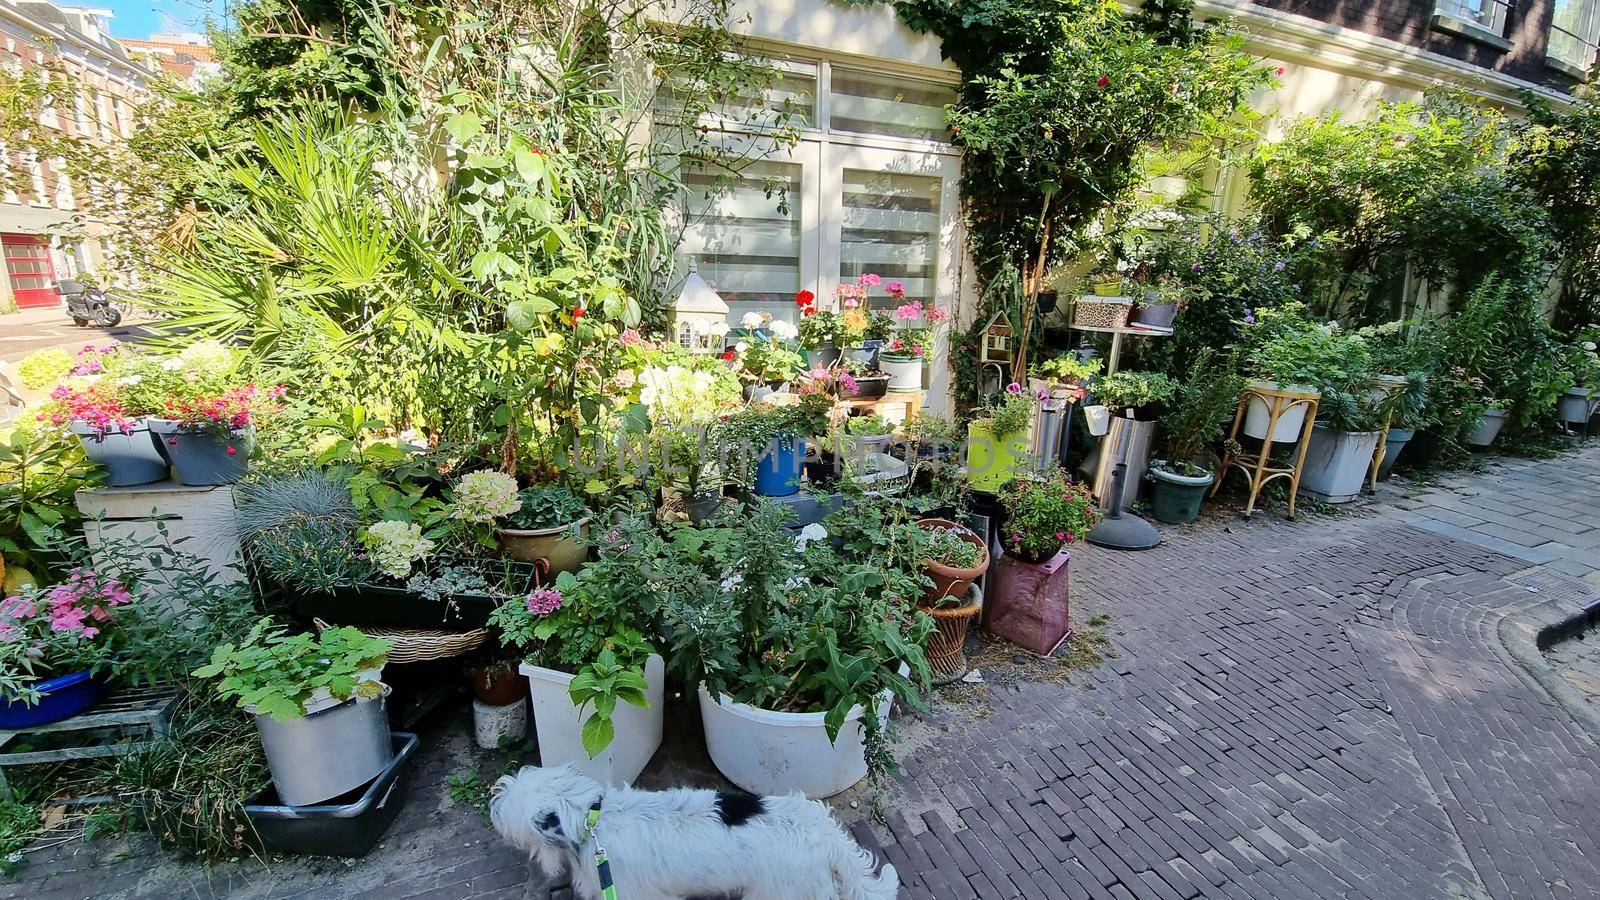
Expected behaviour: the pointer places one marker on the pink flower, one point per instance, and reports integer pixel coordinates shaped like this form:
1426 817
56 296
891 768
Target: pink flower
894 288
936 314
1061 536
231 451
631 337
544 601
847 383
907 312
1014 388
869 279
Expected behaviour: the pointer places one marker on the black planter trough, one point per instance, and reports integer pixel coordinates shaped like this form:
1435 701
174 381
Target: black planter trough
348 826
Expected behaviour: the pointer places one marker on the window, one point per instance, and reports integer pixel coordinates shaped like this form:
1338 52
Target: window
1488 15
1574 33
789 100
890 226
745 240
868 103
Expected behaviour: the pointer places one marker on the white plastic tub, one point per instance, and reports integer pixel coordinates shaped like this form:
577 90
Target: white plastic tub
1258 415
558 725
767 752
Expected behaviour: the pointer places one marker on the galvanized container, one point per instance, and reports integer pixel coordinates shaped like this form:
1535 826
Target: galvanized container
337 746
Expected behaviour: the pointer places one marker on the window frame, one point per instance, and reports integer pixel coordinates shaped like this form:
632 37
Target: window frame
1589 39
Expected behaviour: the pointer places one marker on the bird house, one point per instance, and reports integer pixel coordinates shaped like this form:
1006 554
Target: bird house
699 318
998 340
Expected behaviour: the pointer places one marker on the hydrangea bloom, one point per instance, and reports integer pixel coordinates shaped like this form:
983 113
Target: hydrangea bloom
485 496
544 601
394 546
207 358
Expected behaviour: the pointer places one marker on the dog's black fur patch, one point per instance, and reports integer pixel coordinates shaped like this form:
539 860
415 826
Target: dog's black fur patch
737 809
550 823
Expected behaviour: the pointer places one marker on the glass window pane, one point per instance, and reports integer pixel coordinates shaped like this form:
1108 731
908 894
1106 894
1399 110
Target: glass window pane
745 236
866 103
891 228
30 283
789 100
1573 32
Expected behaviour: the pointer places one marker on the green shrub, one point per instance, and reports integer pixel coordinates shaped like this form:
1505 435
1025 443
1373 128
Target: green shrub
44 369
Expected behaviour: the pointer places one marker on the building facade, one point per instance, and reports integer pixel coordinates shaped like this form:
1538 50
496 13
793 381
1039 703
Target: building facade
41 240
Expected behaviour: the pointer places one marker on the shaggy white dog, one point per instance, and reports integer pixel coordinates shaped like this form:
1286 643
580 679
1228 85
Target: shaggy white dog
669 845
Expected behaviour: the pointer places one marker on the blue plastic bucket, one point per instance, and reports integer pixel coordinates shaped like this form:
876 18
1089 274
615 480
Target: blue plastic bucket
778 470
59 698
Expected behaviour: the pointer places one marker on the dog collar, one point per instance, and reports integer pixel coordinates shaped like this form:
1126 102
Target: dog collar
608 890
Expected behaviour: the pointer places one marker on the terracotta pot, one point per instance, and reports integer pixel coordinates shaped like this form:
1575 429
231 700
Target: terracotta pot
949 581
944 650
500 685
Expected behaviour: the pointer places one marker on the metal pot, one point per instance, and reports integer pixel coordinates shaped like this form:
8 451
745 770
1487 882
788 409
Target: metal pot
336 747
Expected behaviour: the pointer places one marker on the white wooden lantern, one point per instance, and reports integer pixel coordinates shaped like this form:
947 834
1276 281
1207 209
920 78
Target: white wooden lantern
699 317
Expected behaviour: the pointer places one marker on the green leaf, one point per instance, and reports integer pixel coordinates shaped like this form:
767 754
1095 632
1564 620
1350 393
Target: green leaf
598 733
464 126
530 165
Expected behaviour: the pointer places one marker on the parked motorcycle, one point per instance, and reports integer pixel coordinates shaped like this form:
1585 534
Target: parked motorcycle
88 304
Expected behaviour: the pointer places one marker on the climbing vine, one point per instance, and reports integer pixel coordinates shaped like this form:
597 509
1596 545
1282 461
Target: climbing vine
1061 102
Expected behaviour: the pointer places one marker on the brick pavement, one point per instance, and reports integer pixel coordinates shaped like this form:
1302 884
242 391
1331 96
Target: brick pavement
1312 709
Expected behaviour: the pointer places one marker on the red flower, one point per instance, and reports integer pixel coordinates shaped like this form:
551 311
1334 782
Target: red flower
729 355
231 451
1281 70
804 299
1104 81
577 314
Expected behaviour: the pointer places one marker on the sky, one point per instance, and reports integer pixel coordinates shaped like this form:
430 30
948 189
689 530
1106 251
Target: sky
141 18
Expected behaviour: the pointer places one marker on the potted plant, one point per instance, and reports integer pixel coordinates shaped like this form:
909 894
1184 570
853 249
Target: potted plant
210 433
798 652
1405 409
1066 376
1200 409
317 702
861 331
1286 356
1107 279
768 442
1140 396
954 558
818 330
763 354
1040 518
865 436
1160 303
119 442
861 380
596 680
686 406
997 439
904 358
57 647
549 527
1576 406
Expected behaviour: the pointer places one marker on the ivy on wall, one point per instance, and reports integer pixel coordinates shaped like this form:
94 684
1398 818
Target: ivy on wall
1060 102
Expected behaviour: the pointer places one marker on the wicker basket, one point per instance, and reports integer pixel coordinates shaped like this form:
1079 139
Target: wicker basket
944 653
409 645
1101 312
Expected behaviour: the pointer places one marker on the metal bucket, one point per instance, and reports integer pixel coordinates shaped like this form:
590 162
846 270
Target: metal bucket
334 748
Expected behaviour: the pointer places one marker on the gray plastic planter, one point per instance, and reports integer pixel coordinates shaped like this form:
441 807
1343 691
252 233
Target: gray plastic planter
1488 428
1336 463
1398 439
129 457
203 457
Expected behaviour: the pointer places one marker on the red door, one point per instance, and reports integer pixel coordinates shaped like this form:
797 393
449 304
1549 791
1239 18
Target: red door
31 270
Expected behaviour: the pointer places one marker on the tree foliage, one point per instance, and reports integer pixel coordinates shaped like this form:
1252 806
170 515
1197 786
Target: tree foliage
1557 161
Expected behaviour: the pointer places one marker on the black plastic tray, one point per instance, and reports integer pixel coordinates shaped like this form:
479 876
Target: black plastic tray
349 825
371 604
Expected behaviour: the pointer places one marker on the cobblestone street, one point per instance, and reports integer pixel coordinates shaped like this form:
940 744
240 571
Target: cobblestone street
1345 706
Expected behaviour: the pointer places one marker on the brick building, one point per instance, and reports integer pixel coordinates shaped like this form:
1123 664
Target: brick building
39 237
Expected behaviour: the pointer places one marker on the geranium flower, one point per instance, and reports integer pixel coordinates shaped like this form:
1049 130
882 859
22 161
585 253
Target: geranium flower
937 314
804 299
1103 81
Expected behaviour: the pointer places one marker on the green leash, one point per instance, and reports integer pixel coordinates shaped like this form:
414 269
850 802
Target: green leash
608 890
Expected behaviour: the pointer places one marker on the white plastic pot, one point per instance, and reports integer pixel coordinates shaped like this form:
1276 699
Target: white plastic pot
1337 463
904 374
1488 428
1574 406
768 752
558 725
1259 414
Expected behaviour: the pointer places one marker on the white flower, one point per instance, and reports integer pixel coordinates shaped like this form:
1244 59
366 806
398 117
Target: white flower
485 496
717 328
1589 346
750 320
741 346
132 379
394 546
171 364
812 532
785 329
